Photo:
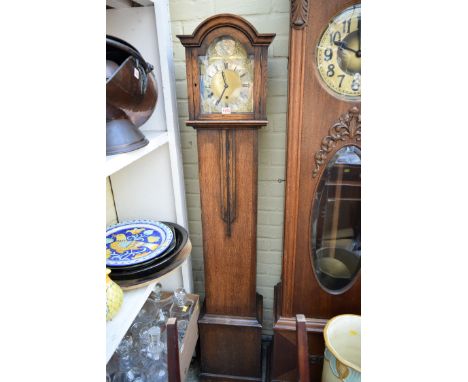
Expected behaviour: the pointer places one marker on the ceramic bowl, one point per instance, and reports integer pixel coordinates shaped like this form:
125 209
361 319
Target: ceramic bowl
342 362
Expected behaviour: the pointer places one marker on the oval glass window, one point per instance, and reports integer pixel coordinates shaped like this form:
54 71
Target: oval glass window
336 222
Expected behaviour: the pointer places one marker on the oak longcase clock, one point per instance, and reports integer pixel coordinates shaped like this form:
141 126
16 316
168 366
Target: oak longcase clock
226 61
322 234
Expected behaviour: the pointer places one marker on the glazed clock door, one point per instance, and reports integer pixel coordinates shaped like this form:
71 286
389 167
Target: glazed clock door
322 244
226 78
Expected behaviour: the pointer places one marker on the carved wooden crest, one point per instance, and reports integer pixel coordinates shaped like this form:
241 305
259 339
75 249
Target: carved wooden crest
299 12
348 127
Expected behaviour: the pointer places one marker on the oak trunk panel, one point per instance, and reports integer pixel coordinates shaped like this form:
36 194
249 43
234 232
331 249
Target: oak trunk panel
230 260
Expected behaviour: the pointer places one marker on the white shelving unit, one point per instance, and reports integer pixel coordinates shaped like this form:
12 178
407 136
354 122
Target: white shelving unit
117 328
148 183
156 139
133 301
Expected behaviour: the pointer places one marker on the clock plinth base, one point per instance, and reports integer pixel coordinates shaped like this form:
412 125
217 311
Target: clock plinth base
231 346
207 377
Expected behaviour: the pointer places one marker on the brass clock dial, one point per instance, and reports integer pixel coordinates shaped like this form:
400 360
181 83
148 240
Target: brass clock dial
226 78
338 55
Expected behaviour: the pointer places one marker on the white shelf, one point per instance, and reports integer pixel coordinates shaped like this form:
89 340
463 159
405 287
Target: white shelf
132 303
116 329
117 162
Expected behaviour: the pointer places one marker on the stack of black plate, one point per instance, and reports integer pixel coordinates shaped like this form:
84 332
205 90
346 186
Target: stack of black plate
137 250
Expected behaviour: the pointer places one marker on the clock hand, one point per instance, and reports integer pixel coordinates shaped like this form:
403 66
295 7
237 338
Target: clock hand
342 45
224 79
221 96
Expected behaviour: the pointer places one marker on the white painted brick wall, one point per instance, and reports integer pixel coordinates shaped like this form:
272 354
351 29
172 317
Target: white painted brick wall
268 16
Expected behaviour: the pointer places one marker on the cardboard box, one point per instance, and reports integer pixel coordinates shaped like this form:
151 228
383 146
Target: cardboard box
190 339
191 336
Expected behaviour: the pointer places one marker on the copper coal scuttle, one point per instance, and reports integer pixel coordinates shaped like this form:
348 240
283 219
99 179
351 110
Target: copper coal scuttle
131 96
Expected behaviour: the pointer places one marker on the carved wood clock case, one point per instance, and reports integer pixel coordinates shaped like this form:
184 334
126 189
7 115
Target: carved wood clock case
322 234
226 62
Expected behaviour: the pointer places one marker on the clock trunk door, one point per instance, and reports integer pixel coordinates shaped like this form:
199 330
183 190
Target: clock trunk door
322 252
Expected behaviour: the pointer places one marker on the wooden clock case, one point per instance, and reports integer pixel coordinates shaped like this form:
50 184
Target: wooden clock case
231 321
319 125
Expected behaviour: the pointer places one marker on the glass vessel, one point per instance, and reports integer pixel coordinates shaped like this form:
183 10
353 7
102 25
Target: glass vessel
128 361
154 356
148 312
137 376
181 309
139 333
163 304
113 366
155 348
336 222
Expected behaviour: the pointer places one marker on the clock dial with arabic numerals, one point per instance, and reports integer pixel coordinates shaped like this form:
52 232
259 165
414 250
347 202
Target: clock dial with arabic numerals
338 55
226 78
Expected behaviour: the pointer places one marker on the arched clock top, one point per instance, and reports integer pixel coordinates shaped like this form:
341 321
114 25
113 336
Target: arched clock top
225 21
227 73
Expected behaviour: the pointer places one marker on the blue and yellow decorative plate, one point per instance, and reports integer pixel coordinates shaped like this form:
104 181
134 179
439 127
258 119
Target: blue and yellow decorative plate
135 242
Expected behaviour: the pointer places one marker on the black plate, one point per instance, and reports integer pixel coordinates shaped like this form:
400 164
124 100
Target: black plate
156 274
169 250
157 264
